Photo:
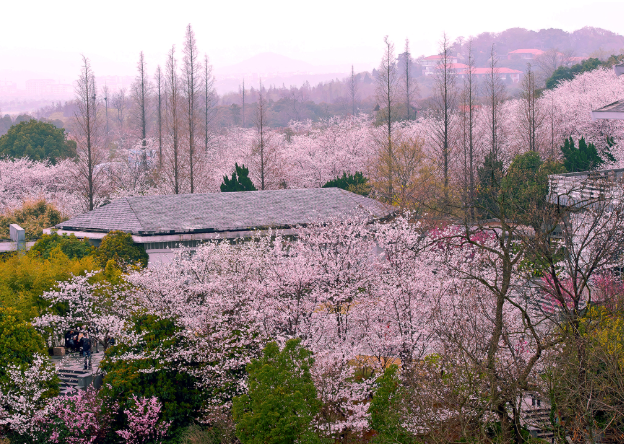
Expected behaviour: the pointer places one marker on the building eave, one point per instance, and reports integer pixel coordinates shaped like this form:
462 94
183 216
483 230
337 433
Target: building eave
612 115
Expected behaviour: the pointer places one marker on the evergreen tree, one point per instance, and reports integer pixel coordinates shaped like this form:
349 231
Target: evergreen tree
356 183
586 156
240 180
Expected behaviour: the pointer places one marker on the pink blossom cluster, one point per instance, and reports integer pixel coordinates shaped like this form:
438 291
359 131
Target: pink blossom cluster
144 424
360 295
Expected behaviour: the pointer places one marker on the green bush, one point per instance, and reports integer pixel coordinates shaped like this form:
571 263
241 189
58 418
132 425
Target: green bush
356 183
282 398
119 247
386 410
71 246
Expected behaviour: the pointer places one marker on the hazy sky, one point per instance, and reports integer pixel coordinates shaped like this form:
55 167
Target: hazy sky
48 36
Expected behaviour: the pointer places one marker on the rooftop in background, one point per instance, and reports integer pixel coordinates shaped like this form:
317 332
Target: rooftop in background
223 212
582 188
613 110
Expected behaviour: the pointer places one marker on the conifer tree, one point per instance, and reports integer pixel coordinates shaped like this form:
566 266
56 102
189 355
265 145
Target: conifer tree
585 157
240 180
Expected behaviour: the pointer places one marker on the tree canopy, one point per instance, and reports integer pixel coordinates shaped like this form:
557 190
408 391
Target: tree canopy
567 73
19 342
120 248
356 183
585 157
38 141
282 397
33 217
240 180
71 246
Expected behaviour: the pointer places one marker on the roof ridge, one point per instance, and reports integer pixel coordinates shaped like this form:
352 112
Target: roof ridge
134 212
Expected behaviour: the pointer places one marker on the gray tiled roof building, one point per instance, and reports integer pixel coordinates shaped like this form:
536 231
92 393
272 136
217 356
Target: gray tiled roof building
224 212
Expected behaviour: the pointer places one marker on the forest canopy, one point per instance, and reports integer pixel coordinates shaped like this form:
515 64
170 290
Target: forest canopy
38 141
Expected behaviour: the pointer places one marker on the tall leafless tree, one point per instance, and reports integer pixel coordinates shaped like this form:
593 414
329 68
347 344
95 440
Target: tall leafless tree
106 93
410 87
494 97
353 90
141 90
469 103
192 93
531 118
120 103
243 102
386 94
88 134
260 125
445 105
173 118
160 89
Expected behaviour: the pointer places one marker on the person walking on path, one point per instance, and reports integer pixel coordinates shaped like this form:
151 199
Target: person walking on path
85 343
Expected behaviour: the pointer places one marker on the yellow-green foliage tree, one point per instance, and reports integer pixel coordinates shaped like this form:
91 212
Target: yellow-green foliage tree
24 278
120 248
19 342
33 217
73 247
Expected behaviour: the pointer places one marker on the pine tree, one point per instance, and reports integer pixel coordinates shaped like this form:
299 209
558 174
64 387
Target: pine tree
586 157
240 180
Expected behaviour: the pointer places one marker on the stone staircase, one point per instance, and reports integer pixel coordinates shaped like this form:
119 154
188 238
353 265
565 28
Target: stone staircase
73 375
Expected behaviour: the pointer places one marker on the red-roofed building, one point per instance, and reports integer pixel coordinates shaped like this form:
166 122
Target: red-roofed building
525 54
512 75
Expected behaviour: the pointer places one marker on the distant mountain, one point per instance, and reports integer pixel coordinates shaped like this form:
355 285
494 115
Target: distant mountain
584 42
275 70
267 63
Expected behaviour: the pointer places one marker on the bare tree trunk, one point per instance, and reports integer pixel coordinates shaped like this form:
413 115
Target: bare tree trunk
209 99
386 91
445 101
470 103
495 92
140 95
173 97
191 84
531 118
243 103
87 124
159 88
410 87
353 88
260 123
105 92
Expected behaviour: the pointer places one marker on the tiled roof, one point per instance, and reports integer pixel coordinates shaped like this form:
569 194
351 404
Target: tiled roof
218 212
617 107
